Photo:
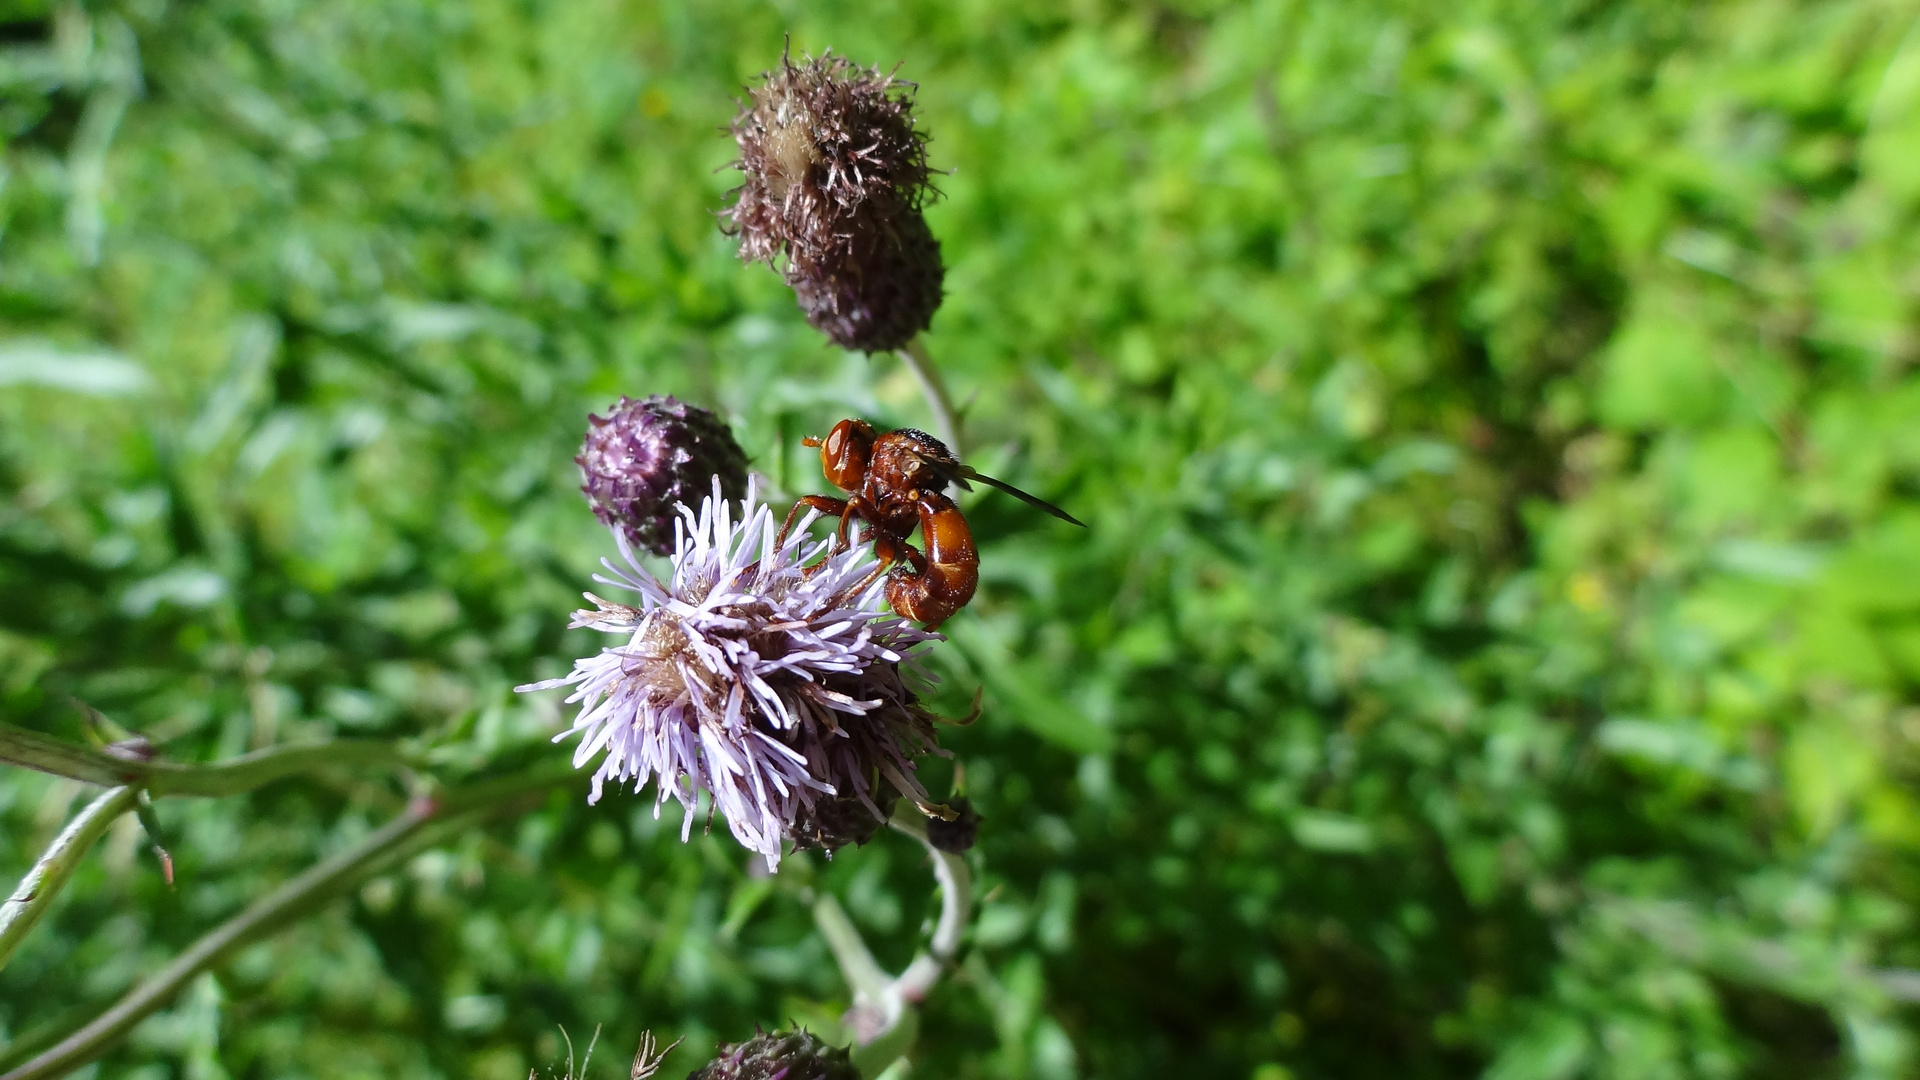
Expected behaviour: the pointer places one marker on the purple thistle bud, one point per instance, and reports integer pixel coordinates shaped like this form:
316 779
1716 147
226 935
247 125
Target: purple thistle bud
835 177
644 457
779 1055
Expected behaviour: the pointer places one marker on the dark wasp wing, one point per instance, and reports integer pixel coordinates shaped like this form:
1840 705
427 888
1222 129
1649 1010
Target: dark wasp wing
967 472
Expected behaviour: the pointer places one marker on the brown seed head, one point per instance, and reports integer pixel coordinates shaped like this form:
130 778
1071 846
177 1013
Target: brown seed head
883 293
835 176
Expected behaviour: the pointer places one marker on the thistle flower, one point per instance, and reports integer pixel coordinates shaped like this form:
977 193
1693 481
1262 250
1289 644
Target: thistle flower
779 1055
645 457
835 178
777 686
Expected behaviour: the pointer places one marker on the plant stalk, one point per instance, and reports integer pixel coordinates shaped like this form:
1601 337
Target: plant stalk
56 865
414 828
934 389
44 753
956 911
880 1002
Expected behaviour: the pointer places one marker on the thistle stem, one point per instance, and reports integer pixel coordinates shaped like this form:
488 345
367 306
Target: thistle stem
956 910
934 389
880 1002
44 753
850 951
297 898
49 875
282 905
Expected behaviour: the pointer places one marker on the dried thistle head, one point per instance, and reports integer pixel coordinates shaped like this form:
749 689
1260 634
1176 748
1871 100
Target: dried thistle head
883 293
818 143
835 177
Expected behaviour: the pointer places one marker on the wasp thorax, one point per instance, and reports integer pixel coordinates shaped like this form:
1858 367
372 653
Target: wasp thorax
835 176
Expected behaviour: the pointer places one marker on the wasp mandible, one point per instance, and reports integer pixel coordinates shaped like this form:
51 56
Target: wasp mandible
895 482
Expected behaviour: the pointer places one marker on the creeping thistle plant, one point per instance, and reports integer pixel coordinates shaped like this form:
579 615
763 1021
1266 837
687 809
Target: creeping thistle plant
761 673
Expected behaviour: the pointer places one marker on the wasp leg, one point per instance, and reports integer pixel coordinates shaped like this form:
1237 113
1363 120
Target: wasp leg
888 552
826 504
858 507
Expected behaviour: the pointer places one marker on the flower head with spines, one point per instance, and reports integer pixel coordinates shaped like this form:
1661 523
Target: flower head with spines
834 179
647 456
764 672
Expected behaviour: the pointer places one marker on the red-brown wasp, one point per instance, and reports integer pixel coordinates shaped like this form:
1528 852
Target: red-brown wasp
895 482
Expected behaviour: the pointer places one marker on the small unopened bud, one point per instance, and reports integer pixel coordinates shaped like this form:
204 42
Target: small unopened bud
645 456
958 835
778 1055
835 176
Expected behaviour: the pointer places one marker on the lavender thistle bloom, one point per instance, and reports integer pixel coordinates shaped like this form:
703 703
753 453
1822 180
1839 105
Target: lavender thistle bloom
778 691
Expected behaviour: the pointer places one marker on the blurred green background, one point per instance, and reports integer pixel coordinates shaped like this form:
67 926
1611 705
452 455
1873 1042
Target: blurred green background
1496 651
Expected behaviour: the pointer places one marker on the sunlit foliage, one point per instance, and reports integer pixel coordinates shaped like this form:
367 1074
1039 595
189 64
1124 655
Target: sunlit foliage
1495 650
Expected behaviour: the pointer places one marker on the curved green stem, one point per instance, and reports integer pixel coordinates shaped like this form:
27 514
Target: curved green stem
849 949
934 389
262 767
43 883
318 883
880 1002
956 910
44 753
413 829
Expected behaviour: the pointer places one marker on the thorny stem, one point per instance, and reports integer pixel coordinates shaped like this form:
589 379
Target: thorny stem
934 389
31 749
43 883
295 897
413 829
879 1002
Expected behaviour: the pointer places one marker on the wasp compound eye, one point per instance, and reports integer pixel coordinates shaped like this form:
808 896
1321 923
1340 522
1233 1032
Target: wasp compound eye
835 175
645 456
